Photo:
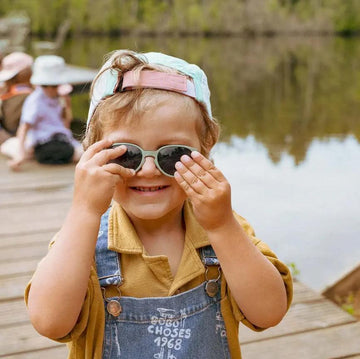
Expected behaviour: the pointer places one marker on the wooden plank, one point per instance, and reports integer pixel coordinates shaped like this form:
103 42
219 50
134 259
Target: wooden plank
13 288
303 293
31 197
59 352
40 217
44 182
25 239
26 252
22 338
36 178
13 269
300 318
33 169
13 312
346 284
335 342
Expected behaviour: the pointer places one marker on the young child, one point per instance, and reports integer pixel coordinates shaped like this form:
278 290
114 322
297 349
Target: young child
151 261
15 75
44 128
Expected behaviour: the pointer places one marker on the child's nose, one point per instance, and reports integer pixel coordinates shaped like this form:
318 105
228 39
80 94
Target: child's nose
149 168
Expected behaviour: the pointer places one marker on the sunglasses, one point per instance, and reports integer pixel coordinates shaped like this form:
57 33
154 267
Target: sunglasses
165 157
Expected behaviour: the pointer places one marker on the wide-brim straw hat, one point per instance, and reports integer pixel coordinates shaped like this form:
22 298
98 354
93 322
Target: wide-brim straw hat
14 63
51 70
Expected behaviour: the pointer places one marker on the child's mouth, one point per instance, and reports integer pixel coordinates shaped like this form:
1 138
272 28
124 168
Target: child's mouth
149 189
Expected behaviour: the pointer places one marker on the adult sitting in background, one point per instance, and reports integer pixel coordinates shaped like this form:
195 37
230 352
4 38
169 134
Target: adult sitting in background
44 129
15 74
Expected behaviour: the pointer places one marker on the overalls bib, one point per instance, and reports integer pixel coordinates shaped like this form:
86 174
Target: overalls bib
188 325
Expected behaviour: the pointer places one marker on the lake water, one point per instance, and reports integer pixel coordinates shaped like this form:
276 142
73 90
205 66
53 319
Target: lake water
290 112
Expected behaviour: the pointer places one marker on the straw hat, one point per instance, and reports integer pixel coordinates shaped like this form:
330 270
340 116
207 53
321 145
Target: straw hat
51 70
14 63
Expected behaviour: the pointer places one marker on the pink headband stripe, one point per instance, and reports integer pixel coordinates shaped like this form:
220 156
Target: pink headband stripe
158 80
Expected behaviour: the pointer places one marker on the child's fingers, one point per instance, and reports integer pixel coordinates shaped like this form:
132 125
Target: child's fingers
115 169
106 155
199 174
189 168
190 192
94 149
207 165
199 183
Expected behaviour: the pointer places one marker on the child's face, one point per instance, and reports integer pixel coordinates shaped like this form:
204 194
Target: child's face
150 195
51 91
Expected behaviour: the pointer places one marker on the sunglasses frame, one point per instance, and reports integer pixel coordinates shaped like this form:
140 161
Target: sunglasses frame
153 154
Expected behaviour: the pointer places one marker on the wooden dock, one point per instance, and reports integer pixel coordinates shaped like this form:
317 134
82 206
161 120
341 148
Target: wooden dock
33 204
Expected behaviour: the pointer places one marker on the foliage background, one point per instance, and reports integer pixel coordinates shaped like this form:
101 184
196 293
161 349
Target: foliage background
209 17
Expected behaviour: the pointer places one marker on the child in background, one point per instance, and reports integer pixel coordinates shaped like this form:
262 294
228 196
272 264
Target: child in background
15 74
151 261
44 129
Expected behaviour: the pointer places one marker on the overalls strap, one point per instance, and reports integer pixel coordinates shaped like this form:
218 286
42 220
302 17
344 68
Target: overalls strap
208 256
107 261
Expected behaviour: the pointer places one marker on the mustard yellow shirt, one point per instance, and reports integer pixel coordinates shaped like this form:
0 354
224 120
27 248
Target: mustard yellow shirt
150 276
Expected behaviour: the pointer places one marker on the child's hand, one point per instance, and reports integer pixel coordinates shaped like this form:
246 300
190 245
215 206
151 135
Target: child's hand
16 162
96 178
207 188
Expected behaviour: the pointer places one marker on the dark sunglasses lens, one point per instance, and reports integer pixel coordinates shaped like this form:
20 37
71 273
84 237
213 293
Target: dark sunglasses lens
130 159
168 157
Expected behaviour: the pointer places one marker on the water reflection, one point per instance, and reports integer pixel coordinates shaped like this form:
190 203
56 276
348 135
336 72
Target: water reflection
308 214
289 108
284 91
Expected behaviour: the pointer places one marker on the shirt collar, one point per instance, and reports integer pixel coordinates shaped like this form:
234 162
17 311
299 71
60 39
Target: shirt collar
45 97
123 237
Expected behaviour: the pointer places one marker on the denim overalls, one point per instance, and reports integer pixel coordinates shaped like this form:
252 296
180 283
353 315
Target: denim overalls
188 325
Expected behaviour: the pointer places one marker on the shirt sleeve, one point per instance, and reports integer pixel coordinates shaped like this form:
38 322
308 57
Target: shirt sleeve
281 267
30 111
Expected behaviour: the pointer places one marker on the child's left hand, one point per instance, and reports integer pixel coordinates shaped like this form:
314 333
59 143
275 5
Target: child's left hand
207 188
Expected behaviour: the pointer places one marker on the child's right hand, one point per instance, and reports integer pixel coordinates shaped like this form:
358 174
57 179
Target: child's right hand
96 178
